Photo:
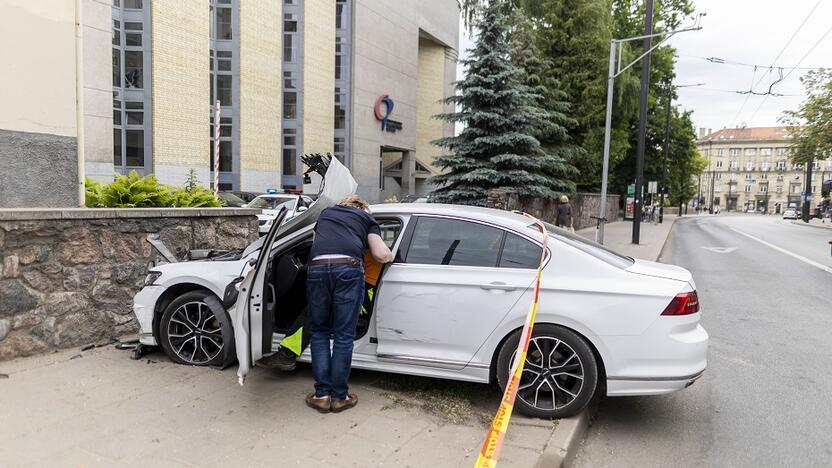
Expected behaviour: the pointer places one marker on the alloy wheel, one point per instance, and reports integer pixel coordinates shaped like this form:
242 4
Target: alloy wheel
194 333
552 376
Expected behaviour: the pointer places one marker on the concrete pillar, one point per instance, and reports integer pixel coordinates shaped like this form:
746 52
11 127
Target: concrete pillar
408 173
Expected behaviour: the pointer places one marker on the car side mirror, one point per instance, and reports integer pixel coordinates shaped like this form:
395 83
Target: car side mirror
229 297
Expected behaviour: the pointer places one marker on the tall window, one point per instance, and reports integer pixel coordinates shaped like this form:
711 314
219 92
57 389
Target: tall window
720 152
131 93
750 151
292 98
222 30
221 67
343 60
765 151
735 151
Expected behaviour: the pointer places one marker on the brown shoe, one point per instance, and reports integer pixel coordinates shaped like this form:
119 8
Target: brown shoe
342 405
322 404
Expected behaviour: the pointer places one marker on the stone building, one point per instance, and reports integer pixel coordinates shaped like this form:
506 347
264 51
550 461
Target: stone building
96 87
749 170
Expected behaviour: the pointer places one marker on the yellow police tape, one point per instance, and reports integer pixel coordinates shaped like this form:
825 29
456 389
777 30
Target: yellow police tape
490 452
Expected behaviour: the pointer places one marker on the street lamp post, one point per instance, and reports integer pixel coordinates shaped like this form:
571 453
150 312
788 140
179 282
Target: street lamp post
615 70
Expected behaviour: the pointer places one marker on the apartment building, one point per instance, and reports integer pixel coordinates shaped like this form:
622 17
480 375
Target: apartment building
749 170
99 87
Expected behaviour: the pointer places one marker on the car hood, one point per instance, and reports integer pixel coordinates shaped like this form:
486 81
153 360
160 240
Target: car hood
660 270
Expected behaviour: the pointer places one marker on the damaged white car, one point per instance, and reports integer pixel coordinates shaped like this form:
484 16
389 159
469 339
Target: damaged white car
451 305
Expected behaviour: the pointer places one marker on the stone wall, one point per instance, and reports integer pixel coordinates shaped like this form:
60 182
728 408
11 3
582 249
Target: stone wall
584 205
67 277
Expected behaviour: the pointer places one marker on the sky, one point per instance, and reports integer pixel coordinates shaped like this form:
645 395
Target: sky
751 32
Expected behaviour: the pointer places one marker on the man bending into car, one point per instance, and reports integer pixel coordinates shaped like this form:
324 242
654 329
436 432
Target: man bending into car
335 293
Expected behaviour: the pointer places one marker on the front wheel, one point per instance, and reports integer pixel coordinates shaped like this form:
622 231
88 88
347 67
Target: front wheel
190 332
560 375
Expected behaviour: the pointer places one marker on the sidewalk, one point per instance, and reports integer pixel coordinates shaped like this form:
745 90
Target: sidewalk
815 222
618 237
99 408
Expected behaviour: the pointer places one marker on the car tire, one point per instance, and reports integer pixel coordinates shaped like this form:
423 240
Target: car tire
559 387
190 332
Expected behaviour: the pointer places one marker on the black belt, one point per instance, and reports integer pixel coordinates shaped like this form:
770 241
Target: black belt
336 261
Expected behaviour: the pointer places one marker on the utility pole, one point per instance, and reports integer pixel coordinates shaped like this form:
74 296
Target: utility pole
807 194
699 195
616 70
642 120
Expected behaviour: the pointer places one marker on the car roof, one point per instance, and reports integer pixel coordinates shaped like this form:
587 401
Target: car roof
275 195
505 218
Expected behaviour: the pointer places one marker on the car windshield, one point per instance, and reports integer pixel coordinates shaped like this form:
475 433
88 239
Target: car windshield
591 247
230 199
273 203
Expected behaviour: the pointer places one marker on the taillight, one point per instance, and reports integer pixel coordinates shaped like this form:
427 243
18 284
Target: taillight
683 304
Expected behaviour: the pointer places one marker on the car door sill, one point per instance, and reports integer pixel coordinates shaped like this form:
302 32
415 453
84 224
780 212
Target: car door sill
420 361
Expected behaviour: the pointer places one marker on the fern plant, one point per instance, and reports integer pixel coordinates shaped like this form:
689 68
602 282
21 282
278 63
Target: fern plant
133 191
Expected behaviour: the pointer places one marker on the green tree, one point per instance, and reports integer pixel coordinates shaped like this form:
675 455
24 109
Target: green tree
575 38
684 164
497 148
811 124
554 110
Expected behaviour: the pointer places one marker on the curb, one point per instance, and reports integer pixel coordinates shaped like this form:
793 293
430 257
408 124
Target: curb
562 446
801 223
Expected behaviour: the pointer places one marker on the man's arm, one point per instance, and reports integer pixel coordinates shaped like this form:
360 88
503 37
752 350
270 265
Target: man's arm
378 249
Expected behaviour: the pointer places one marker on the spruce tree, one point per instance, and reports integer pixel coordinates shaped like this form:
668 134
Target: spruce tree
497 148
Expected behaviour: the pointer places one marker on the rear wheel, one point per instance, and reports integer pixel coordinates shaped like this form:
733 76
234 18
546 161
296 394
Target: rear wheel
189 331
560 374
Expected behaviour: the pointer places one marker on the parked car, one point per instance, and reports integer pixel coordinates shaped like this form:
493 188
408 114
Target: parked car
229 199
790 214
451 305
271 204
416 199
245 196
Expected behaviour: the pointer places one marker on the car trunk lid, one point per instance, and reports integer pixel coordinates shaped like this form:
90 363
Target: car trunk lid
660 270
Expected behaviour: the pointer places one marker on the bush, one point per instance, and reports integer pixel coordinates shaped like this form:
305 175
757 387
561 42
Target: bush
132 191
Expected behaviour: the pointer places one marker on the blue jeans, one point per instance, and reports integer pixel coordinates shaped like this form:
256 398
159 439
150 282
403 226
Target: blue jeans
334 293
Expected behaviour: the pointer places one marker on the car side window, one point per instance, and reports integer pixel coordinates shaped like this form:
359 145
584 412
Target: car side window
520 253
439 241
390 230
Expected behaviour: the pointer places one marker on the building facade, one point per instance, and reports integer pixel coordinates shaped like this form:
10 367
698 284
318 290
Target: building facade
749 170
361 79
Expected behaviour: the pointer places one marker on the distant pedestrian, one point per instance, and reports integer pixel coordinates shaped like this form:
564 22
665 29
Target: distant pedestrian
564 214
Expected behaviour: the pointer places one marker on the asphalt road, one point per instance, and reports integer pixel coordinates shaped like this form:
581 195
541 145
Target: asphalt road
766 397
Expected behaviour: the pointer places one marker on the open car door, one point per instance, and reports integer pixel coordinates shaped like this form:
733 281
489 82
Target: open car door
253 322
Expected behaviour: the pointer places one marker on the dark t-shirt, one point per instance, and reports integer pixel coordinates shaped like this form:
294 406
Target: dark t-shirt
343 230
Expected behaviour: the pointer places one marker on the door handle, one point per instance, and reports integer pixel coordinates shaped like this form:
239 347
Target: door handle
497 286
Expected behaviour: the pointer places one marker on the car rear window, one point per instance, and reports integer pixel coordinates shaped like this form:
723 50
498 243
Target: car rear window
585 245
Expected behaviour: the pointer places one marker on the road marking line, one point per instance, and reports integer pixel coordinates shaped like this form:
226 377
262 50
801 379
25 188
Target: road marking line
720 249
791 254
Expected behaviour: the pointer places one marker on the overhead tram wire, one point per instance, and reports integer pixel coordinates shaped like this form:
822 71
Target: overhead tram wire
745 101
794 68
722 61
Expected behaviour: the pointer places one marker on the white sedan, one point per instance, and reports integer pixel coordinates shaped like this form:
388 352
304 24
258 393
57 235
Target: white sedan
451 306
